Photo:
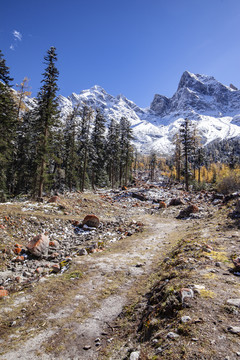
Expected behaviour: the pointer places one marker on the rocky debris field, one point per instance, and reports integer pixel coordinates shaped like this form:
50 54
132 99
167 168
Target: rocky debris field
83 251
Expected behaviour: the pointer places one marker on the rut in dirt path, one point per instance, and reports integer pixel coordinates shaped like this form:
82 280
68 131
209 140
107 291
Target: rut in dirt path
116 272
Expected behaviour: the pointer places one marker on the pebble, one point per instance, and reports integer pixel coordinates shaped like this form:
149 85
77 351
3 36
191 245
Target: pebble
172 335
234 302
134 355
234 329
185 319
159 350
87 347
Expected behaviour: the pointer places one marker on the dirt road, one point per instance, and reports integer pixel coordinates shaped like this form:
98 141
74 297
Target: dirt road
77 322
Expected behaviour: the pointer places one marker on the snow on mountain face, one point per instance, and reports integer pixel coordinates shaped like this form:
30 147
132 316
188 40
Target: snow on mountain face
213 106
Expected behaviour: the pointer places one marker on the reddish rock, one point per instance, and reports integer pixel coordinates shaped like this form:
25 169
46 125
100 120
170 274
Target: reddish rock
91 221
17 249
56 268
3 293
54 244
19 259
54 199
75 222
38 246
162 205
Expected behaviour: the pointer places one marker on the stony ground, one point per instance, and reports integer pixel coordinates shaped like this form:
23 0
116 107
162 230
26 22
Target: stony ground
151 285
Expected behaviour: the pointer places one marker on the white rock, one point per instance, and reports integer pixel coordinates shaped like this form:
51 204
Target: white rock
234 302
135 355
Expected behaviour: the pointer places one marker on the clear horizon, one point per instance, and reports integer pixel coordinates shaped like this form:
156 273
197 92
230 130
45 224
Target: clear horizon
136 48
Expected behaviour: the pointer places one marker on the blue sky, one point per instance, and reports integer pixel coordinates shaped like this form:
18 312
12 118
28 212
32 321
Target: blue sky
133 47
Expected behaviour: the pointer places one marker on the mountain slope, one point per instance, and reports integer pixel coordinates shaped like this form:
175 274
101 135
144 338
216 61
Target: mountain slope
213 106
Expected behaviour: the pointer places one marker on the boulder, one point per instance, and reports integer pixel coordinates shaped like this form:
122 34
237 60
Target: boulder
236 263
191 209
176 202
54 199
186 293
238 206
162 205
38 246
91 221
3 293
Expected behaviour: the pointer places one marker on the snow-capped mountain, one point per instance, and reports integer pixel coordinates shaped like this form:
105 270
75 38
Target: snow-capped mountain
213 106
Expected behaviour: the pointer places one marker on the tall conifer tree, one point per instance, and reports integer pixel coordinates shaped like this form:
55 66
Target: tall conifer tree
8 123
47 119
113 152
98 146
186 136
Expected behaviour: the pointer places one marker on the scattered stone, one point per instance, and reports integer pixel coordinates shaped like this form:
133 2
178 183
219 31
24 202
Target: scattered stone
3 293
87 347
186 293
176 202
159 350
162 205
54 244
234 302
138 196
185 319
56 268
191 209
19 259
198 288
38 246
54 199
172 335
17 249
82 252
234 329
91 221
236 263
134 355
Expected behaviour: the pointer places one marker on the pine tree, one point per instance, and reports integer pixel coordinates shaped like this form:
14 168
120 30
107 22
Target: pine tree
152 165
25 160
84 143
71 158
113 152
98 145
126 150
47 119
178 155
186 135
8 124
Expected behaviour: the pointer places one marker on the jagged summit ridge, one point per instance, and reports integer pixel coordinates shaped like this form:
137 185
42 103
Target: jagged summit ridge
213 106
198 94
